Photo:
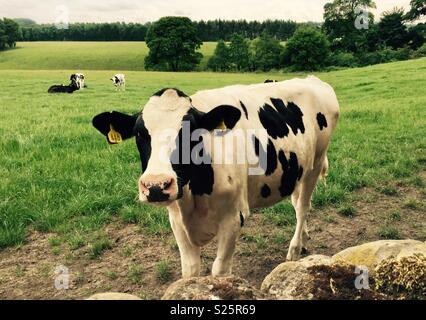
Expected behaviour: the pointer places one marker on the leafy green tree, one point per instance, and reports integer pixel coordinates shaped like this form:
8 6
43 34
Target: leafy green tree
173 44
13 32
418 9
392 30
239 53
220 61
340 17
308 49
3 36
267 53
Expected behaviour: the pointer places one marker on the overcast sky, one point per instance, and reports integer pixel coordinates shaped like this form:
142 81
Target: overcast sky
46 11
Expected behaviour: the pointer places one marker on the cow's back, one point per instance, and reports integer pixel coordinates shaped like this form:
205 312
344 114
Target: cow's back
311 112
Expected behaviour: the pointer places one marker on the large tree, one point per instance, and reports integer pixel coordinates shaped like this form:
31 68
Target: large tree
392 30
267 53
220 61
173 44
13 32
308 49
340 23
10 32
239 53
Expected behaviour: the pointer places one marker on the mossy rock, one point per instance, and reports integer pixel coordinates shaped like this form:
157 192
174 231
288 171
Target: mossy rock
212 288
371 254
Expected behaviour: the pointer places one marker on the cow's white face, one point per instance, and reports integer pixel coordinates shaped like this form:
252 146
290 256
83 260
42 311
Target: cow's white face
162 120
164 147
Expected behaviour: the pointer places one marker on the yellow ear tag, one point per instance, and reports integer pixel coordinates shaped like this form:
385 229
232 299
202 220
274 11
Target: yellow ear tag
113 136
222 126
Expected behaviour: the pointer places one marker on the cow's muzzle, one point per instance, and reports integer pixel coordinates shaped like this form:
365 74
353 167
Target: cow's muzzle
157 188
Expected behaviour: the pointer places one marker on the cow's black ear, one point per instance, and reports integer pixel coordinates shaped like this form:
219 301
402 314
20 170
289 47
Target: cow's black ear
221 117
115 126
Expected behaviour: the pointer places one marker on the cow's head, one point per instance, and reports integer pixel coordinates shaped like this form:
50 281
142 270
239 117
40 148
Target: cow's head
167 163
115 80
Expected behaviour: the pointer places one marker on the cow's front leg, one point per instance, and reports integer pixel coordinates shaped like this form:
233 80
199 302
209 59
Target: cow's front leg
227 238
189 253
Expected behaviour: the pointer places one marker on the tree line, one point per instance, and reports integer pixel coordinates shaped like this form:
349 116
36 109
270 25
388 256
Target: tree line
347 38
206 30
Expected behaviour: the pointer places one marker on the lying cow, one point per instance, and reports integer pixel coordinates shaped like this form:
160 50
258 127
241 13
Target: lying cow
119 81
79 79
64 89
207 200
270 81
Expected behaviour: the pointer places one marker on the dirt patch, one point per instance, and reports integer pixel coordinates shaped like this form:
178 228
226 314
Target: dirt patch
131 265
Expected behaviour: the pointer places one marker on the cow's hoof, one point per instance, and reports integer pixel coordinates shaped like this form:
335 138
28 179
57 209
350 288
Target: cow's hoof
293 254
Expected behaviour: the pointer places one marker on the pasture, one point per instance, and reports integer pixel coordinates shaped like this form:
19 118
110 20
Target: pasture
67 198
84 56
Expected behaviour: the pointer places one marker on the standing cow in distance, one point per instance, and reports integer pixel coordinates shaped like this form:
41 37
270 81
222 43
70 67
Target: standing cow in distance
119 81
288 126
79 79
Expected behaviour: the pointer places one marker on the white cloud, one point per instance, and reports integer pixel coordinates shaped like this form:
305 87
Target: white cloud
151 10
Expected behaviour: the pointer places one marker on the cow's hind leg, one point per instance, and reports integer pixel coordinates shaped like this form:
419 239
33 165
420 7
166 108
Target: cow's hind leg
305 233
189 253
302 207
227 238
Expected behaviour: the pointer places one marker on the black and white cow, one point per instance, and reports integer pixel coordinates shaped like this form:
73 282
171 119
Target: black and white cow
288 126
119 81
63 88
79 79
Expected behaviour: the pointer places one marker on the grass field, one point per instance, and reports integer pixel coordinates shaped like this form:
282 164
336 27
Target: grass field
58 174
60 178
83 56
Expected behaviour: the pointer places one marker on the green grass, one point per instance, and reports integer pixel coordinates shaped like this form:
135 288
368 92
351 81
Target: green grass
59 175
164 271
389 232
135 274
83 56
346 210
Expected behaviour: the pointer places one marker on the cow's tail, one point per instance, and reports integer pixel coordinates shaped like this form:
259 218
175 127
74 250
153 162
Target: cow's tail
324 170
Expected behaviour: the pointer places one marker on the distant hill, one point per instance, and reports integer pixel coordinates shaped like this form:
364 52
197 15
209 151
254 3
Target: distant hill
24 22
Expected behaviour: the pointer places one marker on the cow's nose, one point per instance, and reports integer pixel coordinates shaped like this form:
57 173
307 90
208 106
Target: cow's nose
157 188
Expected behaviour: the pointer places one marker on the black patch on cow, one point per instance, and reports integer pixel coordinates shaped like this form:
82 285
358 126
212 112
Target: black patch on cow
179 93
156 195
278 120
122 123
143 142
63 89
212 119
322 121
241 219
244 109
271 155
199 176
265 191
291 171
